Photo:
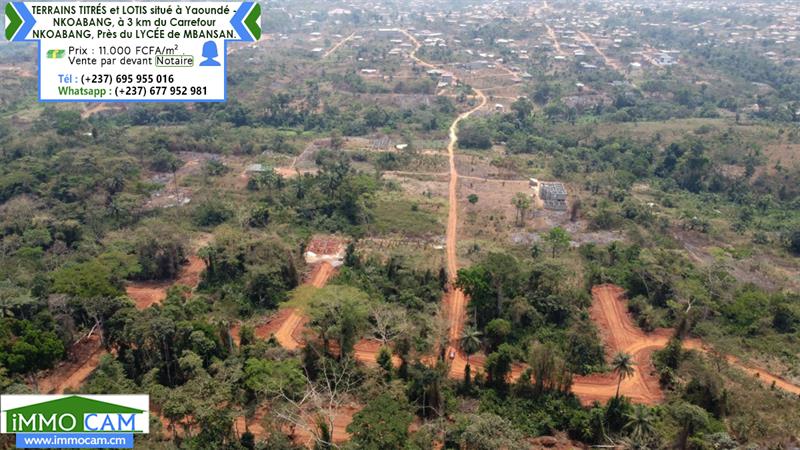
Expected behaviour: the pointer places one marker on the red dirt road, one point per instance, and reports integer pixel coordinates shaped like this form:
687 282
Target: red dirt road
290 321
285 335
84 358
609 311
287 326
147 294
620 334
321 274
456 301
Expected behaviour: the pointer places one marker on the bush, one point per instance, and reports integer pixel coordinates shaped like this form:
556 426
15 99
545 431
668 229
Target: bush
211 213
794 242
266 287
161 250
475 135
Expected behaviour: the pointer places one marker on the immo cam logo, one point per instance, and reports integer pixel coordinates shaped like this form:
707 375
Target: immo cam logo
72 421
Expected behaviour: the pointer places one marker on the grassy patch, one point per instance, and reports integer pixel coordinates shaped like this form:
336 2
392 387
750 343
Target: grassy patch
404 216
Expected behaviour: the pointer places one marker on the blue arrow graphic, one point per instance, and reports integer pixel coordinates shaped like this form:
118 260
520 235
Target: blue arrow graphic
238 22
27 23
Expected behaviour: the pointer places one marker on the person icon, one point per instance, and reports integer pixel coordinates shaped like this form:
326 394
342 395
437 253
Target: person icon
209 53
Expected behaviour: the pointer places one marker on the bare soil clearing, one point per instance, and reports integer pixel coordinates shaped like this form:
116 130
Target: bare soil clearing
148 293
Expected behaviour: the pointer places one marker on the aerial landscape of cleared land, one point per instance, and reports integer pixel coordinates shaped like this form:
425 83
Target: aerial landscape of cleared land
425 225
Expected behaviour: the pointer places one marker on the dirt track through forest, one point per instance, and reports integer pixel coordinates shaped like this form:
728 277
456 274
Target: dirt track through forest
71 375
291 325
366 351
148 293
455 302
87 353
610 312
620 334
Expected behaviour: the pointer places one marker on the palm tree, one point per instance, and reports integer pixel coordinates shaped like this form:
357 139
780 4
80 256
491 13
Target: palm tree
640 424
622 364
470 341
522 202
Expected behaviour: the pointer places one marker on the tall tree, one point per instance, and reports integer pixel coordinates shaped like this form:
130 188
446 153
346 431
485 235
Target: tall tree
381 425
690 417
470 341
522 202
549 369
640 424
341 313
622 364
498 366
558 239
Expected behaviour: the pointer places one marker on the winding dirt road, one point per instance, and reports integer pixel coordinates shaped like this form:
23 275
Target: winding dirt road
285 335
609 308
456 301
417 46
289 333
610 312
620 334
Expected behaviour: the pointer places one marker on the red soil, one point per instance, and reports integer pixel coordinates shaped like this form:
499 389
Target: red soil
620 334
325 245
341 420
289 328
148 293
321 274
83 358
